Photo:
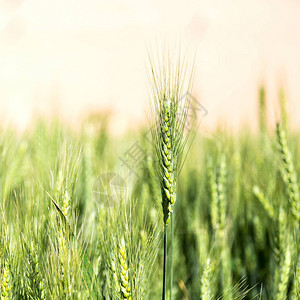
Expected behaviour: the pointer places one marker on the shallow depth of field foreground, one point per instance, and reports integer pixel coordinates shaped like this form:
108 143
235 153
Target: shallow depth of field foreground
82 215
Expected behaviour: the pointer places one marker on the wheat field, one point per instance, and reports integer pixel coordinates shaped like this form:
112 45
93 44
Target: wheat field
81 214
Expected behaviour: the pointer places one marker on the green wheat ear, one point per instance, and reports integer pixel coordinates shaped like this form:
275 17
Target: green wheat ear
289 173
168 159
6 282
35 282
124 274
262 110
169 111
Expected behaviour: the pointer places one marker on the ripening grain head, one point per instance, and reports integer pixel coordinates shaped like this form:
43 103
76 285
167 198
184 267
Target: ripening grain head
170 104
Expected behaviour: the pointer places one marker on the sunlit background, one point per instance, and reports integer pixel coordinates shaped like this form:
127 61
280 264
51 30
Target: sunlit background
74 57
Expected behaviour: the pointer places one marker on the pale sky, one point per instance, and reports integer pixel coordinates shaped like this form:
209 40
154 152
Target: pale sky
76 57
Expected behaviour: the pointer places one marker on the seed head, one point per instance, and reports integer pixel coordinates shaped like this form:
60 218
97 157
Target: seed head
169 110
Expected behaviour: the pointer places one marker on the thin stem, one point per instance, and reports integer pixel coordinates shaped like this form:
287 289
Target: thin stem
165 264
171 256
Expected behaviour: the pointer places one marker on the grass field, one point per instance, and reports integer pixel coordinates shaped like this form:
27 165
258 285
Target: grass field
81 214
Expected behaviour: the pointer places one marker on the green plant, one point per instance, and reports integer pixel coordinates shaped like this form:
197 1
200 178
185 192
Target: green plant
168 134
236 233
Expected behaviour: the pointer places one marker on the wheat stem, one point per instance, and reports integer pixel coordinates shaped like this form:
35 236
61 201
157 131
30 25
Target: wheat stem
171 254
170 110
165 264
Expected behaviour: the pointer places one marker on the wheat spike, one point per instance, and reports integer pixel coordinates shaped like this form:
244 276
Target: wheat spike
262 110
283 108
221 192
206 281
170 105
218 194
284 270
289 174
36 284
66 204
124 272
295 294
214 196
264 201
6 283
114 271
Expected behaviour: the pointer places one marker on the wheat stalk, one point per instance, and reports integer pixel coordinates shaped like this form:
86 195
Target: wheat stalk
167 79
